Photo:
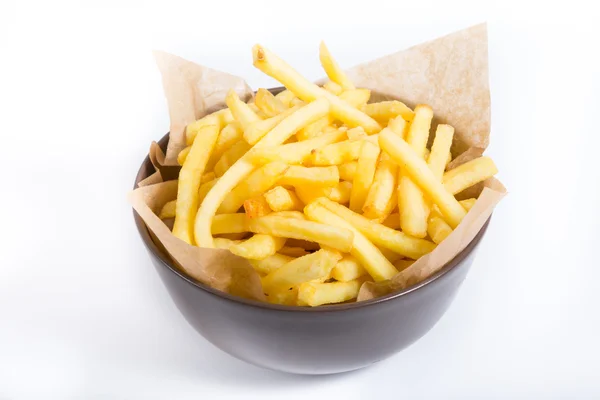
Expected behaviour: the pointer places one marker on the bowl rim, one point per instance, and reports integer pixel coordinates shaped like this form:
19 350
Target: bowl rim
166 262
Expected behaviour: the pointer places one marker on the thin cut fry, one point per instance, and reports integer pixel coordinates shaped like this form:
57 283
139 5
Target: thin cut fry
382 189
357 98
347 269
229 136
258 247
440 150
339 193
332 69
229 223
282 199
336 153
317 176
268 103
271 263
348 171
357 133
204 189
219 118
230 157
437 228
468 174
285 97
288 214
182 155
399 126
365 172
315 294
256 207
333 87
225 244
256 130
241 111
386 110
168 210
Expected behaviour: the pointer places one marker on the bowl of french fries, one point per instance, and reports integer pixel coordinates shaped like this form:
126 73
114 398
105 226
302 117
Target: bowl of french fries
317 227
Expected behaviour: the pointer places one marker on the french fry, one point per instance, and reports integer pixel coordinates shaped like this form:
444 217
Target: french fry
304 244
219 118
205 188
333 87
294 252
168 210
241 111
282 199
256 130
440 150
336 153
389 254
386 110
468 203
317 176
293 153
287 297
334 237
275 67
230 157
468 174
357 133
230 135
257 111
306 268
315 294
208 176
288 214
411 202
437 228
365 172
229 223
315 129
190 176
379 234
271 263
183 154
347 269
348 170
339 193
382 189
392 221
297 102
362 249
268 103
399 126
332 69
357 98
225 244
285 97
256 207
401 265
420 173
258 247
259 181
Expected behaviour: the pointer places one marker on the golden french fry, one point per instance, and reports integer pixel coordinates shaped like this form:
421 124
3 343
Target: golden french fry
275 67
207 177
347 269
401 265
315 294
386 110
382 189
288 214
225 244
219 118
230 157
235 236
332 69
256 130
282 199
182 155
259 181
467 203
411 202
205 188
315 129
438 229
348 170
379 234
392 221
294 252
228 137
357 98
271 263
189 183
286 297
168 210
362 249
258 247
440 150
420 173
336 153
399 126
285 97
357 133
304 269
293 153
257 110
334 237
229 223
392 256
333 87
256 207
243 113
268 103
297 102
365 172
468 174
317 176
339 193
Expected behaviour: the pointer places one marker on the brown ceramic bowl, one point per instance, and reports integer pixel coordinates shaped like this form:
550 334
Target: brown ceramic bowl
321 340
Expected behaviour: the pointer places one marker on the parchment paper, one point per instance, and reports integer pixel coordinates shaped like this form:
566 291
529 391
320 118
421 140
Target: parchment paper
450 74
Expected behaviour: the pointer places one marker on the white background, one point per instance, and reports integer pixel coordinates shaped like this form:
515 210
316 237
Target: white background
83 315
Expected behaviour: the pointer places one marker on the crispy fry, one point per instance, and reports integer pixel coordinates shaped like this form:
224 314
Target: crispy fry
333 87
258 247
420 173
336 153
256 130
357 133
381 191
315 294
357 98
219 118
293 251
168 210
334 237
468 174
229 223
268 103
241 111
365 172
288 214
259 181
282 199
189 183
379 234
271 263
182 155
386 110
440 150
287 297
348 171
362 249
273 66
332 69
306 268
256 207
399 126
229 136
339 193
204 189
257 110
347 269
317 176
315 129
230 157
437 228
285 97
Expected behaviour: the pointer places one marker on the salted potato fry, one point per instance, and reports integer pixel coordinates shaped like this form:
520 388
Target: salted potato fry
293 153
258 247
381 191
230 135
268 103
256 130
288 214
357 133
440 150
333 87
399 126
357 98
315 294
229 223
362 249
225 244
411 202
182 155
256 207
230 157
332 69
282 199
286 297
336 153
315 129
363 178
420 173
241 111
379 234
219 118
334 237
285 97
189 183
468 174
339 193
401 265
317 176
347 269
168 210
306 268
257 111
205 188
275 67
392 221
386 110
294 252
348 170
259 181
271 263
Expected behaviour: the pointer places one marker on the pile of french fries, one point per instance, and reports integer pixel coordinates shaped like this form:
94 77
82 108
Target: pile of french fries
318 188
